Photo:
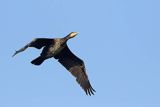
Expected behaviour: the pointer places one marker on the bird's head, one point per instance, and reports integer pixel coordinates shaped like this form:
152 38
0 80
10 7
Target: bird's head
72 34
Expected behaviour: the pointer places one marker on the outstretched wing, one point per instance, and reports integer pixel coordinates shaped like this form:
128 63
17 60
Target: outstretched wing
36 43
77 68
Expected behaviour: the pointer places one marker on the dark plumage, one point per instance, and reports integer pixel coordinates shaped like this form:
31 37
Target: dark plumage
58 49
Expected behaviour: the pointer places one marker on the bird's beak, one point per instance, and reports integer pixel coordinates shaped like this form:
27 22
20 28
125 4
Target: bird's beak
76 33
73 34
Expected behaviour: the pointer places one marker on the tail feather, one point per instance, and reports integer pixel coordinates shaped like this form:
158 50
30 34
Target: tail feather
38 61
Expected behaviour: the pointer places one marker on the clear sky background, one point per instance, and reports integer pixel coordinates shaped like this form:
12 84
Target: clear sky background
119 40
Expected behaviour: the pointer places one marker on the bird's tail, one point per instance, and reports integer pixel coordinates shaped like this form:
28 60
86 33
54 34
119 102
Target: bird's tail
39 60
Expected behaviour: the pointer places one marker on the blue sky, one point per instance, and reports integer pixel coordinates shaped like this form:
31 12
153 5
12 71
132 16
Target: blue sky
118 40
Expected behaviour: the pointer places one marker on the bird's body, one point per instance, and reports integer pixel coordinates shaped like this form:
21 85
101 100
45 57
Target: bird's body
52 49
58 49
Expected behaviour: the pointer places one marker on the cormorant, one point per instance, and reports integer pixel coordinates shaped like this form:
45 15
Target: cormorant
57 48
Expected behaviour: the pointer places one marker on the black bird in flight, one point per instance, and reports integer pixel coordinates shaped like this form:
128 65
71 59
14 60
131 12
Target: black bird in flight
57 48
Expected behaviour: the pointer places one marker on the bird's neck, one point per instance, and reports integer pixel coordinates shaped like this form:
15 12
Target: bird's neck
65 39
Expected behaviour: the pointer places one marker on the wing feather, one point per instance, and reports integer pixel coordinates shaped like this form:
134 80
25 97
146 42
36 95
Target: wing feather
76 67
36 43
40 42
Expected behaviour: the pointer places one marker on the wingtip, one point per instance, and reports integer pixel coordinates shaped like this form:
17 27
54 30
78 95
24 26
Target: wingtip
90 91
14 54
